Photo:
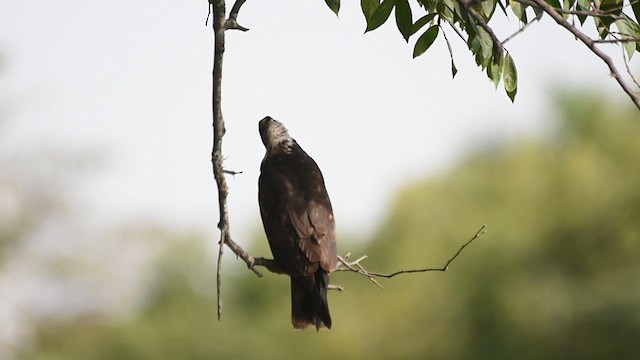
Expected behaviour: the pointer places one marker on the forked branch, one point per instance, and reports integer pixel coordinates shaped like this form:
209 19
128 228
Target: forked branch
356 266
590 43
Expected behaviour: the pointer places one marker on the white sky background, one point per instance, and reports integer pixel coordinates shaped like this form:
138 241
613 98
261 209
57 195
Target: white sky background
130 81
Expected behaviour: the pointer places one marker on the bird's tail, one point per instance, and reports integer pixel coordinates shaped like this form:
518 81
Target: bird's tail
309 301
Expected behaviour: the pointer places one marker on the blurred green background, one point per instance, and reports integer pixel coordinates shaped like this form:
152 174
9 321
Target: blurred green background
555 277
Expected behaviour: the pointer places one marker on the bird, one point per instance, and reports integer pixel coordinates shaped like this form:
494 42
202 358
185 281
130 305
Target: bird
298 220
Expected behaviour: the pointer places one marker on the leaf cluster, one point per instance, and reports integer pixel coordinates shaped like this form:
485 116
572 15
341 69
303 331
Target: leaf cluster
469 19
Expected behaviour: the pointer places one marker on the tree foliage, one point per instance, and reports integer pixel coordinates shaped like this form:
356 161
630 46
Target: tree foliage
555 277
616 21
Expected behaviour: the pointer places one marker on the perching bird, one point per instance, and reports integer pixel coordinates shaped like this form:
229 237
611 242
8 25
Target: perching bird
298 220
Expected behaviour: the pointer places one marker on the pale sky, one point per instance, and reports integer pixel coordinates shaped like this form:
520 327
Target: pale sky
130 82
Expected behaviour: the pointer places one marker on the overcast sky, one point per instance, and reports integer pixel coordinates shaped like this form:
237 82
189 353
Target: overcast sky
128 83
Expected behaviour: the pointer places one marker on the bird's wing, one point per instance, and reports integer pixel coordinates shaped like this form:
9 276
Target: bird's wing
315 226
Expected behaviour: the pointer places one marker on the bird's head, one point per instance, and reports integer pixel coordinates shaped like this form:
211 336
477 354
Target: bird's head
274 134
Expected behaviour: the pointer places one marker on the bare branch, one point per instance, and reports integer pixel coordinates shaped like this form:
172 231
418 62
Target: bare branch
231 23
590 43
220 25
218 133
357 267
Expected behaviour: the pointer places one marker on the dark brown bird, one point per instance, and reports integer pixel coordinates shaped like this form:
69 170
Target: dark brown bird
298 220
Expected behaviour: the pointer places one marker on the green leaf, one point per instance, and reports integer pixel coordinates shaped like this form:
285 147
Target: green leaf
611 6
555 3
430 5
447 9
404 19
510 77
512 94
602 27
422 22
368 6
494 71
488 6
568 4
334 5
425 40
636 10
454 69
519 10
583 5
380 15
539 12
628 29
482 47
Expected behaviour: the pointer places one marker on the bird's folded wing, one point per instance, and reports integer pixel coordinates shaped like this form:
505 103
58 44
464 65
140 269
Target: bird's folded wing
315 226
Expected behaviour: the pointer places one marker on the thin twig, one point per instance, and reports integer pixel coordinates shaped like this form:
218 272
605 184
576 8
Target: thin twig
455 29
626 64
453 11
206 21
231 172
349 266
537 18
598 14
616 41
592 13
635 97
232 22
357 268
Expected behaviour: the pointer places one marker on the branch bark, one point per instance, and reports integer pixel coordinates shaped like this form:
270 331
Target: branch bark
590 43
219 27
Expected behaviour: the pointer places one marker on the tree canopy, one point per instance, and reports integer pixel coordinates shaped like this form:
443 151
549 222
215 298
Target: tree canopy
616 22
